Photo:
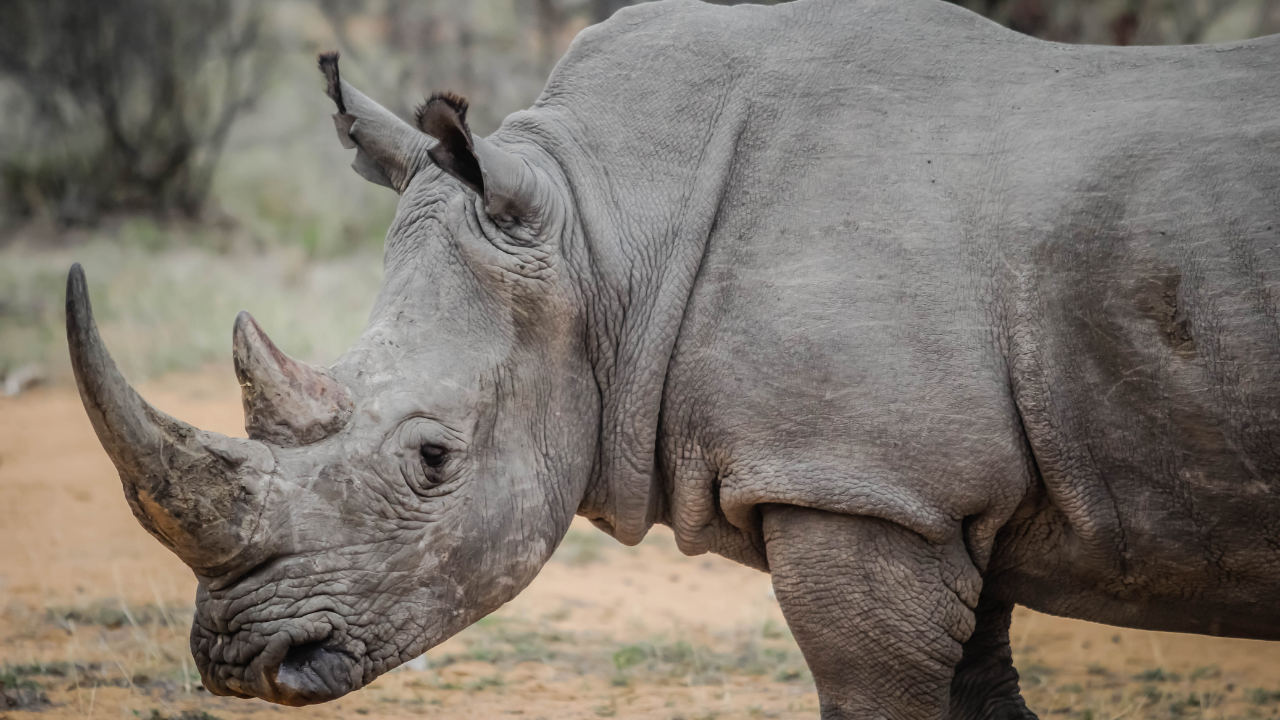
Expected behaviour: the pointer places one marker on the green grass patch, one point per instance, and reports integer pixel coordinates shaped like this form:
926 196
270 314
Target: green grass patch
505 642
1157 675
173 309
581 548
1261 696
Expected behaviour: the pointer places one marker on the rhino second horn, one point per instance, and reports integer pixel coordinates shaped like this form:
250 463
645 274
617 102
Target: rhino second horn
286 402
199 493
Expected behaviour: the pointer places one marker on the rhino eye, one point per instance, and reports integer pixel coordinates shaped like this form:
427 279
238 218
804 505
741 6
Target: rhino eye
433 456
422 456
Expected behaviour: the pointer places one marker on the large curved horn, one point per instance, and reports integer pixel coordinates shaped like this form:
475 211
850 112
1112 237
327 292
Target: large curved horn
286 402
199 493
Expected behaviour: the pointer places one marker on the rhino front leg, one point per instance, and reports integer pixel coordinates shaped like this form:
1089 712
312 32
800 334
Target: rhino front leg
985 686
880 613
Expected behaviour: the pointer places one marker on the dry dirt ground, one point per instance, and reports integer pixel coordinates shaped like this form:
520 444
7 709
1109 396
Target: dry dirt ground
94 614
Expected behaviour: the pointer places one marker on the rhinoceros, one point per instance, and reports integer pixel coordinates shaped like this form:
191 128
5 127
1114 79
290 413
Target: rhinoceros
921 316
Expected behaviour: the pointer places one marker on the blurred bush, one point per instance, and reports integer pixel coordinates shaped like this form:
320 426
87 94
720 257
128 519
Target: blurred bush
121 105
497 53
116 106
1133 22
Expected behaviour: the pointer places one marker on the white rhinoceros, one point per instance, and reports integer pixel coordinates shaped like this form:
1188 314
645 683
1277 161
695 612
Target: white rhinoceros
922 316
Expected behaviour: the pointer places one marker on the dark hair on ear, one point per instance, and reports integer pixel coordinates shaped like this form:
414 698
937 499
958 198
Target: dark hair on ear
329 66
430 116
444 117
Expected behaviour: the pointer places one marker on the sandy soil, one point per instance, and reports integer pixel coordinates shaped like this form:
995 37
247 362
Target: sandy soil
93 616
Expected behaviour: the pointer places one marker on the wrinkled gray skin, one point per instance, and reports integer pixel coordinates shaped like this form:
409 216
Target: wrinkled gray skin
923 316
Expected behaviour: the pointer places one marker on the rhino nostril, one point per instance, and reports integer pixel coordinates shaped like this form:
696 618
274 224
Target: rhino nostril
303 653
314 672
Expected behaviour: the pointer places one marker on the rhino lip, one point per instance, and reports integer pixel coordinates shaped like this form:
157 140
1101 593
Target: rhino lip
313 672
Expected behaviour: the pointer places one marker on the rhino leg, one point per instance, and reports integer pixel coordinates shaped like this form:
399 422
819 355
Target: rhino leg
880 612
985 685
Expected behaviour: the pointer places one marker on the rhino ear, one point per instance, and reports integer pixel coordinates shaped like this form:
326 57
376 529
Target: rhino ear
507 184
389 151
444 117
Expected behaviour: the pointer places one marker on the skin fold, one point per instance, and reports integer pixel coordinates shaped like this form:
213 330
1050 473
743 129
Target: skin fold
922 316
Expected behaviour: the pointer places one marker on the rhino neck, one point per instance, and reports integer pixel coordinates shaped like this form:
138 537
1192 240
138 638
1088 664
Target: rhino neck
647 172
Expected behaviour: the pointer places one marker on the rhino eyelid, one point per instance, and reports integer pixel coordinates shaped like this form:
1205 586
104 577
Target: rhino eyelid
448 427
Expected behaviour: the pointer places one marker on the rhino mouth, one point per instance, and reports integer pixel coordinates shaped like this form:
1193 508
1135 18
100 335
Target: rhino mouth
313 672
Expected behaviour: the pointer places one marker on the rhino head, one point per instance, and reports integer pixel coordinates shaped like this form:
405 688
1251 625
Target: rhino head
382 504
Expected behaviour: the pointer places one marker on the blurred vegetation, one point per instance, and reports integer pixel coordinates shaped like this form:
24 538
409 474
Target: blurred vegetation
1133 22
127 106
172 310
182 150
123 104
497 53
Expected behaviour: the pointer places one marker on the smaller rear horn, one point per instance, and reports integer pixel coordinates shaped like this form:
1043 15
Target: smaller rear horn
286 402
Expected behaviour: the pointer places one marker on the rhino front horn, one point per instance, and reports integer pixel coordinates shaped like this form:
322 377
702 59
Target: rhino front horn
199 493
286 402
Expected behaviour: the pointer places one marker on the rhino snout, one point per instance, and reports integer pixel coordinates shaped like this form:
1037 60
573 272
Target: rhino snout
301 662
